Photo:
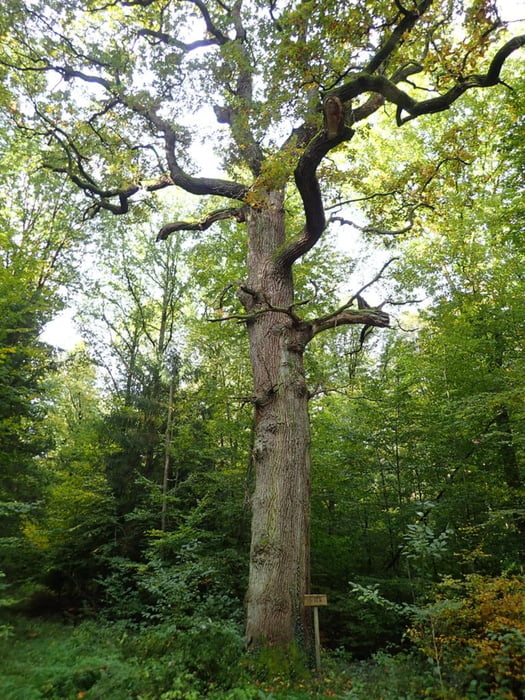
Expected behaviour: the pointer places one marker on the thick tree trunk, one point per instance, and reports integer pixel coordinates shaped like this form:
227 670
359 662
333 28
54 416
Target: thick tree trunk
279 558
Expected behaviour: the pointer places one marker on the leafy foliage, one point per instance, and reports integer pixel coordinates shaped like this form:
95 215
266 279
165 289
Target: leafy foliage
478 643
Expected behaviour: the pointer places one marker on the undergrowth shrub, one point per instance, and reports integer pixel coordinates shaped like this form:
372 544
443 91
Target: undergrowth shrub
360 626
208 651
181 576
116 661
478 642
385 676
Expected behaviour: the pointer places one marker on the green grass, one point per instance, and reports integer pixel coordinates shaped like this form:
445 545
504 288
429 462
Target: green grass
45 659
104 661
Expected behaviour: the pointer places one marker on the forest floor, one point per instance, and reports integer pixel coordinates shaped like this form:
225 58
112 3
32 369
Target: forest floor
47 658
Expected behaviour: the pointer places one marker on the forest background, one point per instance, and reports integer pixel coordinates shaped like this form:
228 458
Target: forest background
126 461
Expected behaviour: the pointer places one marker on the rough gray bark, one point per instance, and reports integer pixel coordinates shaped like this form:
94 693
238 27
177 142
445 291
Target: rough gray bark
279 557
280 546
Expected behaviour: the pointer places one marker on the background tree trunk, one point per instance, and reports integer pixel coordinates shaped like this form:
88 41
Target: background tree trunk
279 557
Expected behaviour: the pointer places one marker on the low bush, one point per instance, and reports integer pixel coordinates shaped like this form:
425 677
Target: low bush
210 652
46 659
400 676
475 637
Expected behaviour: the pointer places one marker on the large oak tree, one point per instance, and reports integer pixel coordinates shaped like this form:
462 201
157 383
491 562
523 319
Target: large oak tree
119 92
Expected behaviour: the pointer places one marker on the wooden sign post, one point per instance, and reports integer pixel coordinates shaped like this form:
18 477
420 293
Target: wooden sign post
315 600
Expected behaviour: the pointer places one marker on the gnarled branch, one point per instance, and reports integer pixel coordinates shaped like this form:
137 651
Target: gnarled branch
235 112
365 317
305 172
443 102
237 213
344 315
407 107
164 38
374 230
409 18
308 186
198 185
